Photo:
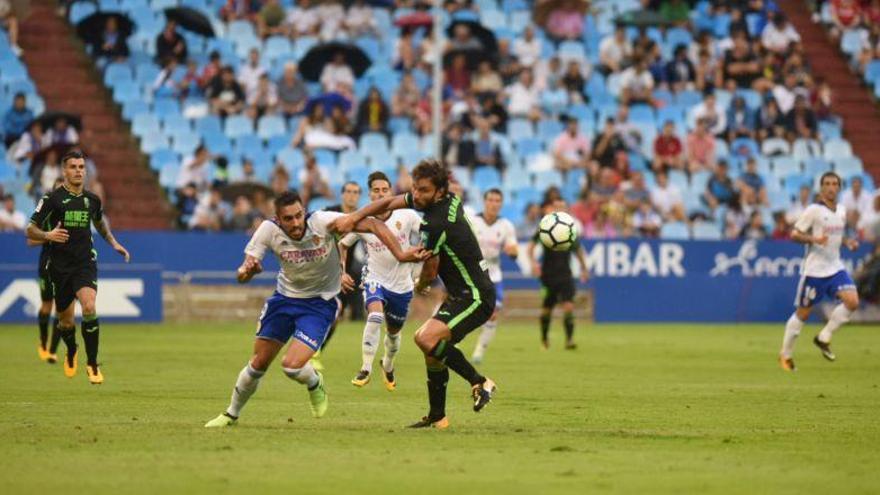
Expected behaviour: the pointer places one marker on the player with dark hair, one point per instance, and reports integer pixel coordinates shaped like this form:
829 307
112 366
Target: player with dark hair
48 347
73 269
304 304
447 235
821 229
388 284
557 281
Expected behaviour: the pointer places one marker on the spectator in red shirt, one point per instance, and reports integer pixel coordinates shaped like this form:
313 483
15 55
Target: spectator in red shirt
845 15
668 149
781 230
458 76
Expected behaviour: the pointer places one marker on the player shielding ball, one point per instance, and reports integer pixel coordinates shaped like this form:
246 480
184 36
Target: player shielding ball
821 227
388 284
496 235
447 235
304 304
72 265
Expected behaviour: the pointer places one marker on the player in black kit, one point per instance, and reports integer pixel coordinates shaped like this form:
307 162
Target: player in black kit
557 281
456 256
72 266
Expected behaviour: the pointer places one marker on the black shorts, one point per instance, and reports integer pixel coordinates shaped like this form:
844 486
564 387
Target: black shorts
463 316
66 283
554 292
46 292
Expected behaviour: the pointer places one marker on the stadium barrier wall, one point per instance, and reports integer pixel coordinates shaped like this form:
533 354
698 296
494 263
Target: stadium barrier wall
632 280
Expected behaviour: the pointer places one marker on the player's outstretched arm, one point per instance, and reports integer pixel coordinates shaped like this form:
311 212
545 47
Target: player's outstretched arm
582 261
103 228
346 224
428 274
347 281
380 230
36 234
249 267
32 243
530 252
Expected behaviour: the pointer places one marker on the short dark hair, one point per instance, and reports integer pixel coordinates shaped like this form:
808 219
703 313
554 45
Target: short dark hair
377 175
350 183
493 190
830 174
433 170
287 198
72 155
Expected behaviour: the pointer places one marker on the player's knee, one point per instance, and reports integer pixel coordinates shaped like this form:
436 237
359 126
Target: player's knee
393 330
424 341
88 307
803 313
294 362
46 307
376 317
851 301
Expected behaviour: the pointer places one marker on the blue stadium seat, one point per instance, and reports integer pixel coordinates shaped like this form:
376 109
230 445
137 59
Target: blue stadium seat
80 10
403 143
144 124
707 231
846 167
238 125
829 130
837 148
165 106
217 142
529 146
351 159
247 143
785 166
486 178
173 124
153 140
519 129
674 231
816 166
292 158
271 125
327 158
162 157
374 142
208 123
547 178
185 142
277 143
549 129
806 148
398 124
117 72
134 107
125 92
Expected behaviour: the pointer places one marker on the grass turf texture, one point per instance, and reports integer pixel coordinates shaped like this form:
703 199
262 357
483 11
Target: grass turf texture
647 408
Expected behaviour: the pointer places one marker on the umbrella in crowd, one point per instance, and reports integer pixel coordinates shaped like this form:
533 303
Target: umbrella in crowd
483 35
47 120
414 20
473 58
328 100
91 29
315 59
191 20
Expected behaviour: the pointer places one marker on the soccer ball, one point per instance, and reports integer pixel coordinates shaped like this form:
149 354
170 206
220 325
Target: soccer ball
557 231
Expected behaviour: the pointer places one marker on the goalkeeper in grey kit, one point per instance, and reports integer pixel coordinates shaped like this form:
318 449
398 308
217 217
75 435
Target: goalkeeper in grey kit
557 280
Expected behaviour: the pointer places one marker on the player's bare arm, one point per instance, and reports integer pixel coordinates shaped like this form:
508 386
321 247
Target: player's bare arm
530 252
347 223
428 274
104 229
804 238
58 234
249 267
380 230
582 261
512 250
32 243
347 281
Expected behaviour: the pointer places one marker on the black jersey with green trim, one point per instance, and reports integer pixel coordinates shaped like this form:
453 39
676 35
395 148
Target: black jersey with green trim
446 232
556 265
75 212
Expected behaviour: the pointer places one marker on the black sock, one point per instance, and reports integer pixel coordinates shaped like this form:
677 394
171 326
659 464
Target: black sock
56 337
568 321
43 320
545 326
437 380
90 331
456 361
68 335
329 336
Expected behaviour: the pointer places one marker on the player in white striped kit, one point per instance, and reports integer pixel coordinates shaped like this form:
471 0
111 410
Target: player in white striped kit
821 227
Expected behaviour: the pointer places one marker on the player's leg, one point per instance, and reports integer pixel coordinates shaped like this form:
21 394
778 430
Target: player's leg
849 302
806 296
64 306
370 340
438 378
312 320
90 332
396 311
43 316
548 301
566 295
487 334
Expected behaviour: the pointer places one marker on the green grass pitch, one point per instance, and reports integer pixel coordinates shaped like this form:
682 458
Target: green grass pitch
636 409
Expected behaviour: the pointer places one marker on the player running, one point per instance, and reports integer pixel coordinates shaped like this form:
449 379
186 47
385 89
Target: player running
446 233
304 304
557 281
821 227
388 284
72 265
495 235
47 347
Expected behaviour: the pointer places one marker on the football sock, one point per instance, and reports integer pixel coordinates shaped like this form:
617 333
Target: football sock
545 326
438 377
305 375
568 322
392 345
68 335
55 338
43 322
792 329
245 386
329 336
486 336
839 316
90 331
453 358
371 339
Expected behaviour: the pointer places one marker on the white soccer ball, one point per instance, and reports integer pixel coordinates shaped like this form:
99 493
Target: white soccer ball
557 231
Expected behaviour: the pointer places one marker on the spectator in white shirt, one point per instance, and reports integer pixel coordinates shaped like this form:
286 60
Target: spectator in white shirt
11 220
332 16
359 20
779 34
666 198
804 199
856 198
711 112
263 99
785 93
636 83
195 170
249 74
528 48
303 19
614 51
523 97
337 76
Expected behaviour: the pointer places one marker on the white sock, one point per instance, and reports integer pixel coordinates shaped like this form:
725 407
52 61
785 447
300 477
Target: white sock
371 339
245 386
392 345
486 336
305 375
792 329
839 316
